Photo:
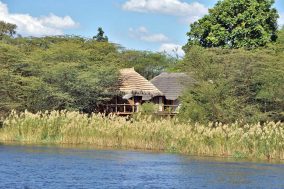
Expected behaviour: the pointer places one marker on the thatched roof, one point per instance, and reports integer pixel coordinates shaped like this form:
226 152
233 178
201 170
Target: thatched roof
172 84
132 82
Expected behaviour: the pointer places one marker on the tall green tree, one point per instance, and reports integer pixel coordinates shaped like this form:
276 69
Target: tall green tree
100 37
149 64
7 29
236 24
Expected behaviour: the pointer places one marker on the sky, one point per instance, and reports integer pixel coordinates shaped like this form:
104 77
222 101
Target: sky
156 25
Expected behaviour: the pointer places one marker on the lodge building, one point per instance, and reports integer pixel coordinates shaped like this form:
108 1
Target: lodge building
134 90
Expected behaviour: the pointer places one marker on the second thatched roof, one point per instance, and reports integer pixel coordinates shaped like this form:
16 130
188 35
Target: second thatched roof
172 84
131 82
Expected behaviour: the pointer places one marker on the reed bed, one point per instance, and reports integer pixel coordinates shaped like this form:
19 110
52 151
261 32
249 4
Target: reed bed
264 141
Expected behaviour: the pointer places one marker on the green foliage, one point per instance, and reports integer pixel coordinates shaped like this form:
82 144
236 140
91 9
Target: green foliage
236 24
100 37
55 73
148 64
148 108
7 29
234 85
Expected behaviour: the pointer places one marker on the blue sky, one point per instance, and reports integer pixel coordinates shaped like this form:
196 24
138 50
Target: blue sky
155 25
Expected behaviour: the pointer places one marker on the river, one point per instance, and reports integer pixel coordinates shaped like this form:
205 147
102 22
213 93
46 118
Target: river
37 167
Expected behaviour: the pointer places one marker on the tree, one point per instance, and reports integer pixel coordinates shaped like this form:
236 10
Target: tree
7 29
236 24
100 37
55 73
234 84
148 64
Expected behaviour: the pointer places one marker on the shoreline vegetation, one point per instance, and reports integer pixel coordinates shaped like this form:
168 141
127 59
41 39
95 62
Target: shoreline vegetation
239 140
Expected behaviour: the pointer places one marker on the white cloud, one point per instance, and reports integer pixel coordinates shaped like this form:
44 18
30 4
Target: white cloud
37 26
143 34
58 22
172 49
281 19
187 11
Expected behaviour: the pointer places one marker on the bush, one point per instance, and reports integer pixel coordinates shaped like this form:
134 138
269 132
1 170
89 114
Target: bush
148 108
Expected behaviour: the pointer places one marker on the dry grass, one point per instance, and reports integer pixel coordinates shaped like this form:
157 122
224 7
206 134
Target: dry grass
238 140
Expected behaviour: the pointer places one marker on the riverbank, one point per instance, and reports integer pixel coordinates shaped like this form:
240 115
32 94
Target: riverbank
228 140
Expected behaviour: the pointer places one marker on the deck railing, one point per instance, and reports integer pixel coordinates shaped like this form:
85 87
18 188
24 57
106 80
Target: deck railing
122 108
171 108
127 109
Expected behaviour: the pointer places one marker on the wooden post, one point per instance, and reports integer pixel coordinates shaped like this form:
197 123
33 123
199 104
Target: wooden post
137 107
116 104
161 105
124 108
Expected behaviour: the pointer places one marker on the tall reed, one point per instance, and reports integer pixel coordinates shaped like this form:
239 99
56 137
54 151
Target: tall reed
264 141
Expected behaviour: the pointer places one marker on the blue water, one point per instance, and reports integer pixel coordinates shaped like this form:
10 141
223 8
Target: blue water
33 167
